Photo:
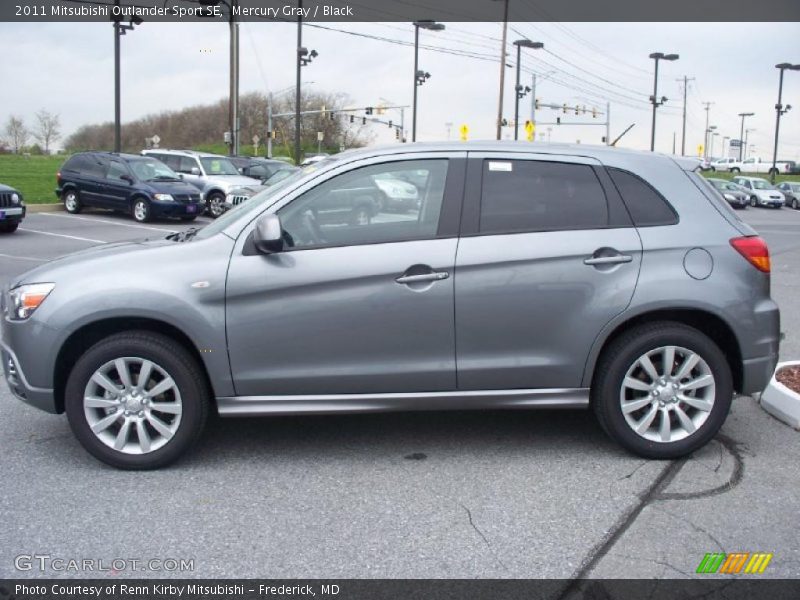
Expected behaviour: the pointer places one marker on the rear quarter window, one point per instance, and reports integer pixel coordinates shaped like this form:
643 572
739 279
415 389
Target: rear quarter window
647 207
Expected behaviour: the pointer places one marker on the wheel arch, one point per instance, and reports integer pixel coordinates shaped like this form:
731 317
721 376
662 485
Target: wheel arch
705 321
90 333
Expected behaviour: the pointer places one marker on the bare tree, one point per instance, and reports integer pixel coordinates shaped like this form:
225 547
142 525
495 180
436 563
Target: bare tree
48 129
17 133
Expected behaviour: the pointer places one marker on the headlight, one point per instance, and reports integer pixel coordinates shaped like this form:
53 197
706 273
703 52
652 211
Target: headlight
163 197
25 299
730 197
15 198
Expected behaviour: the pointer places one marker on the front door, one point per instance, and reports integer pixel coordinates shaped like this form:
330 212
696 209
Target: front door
361 300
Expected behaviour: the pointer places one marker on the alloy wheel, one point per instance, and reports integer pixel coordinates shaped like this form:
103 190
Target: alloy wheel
667 394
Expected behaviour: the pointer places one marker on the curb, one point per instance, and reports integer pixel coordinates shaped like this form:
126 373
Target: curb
780 401
37 208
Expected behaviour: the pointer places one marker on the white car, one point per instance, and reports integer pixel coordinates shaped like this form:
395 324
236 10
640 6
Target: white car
723 164
761 191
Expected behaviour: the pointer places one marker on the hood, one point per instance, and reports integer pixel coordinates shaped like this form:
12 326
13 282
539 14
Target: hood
51 270
230 181
171 187
248 190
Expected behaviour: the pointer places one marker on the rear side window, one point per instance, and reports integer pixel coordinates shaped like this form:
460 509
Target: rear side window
647 207
527 195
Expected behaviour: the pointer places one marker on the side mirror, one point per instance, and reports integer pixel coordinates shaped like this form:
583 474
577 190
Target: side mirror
127 178
195 171
180 175
268 234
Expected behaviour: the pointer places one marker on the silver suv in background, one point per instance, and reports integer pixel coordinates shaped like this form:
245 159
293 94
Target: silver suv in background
547 277
214 175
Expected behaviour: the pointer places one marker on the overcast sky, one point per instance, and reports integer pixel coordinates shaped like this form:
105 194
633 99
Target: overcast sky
68 69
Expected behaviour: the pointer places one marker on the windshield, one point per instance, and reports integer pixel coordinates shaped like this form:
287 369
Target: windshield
252 205
218 165
725 185
150 169
762 184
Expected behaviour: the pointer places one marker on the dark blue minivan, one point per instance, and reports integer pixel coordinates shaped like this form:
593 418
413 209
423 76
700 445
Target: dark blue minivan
138 185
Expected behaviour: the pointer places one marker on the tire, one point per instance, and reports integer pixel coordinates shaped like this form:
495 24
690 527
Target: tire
141 210
735 170
189 218
713 169
753 201
361 215
215 205
72 202
9 227
794 203
174 432
619 363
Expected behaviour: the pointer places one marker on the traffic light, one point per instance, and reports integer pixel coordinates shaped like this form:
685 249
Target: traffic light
594 112
577 110
558 120
363 120
390 124
332 115
369 110
397 133
564 108
536 104
352 118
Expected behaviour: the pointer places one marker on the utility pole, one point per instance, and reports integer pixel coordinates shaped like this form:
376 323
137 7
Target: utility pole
297 98
533 98
741 132
779 111
502 71
656 56
705 135
686 81
234 80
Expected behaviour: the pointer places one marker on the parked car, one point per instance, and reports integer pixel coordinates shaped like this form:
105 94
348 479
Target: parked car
212 174
791 191
314 158
12 209
576 277
755 164
140 186
761 192
258 168
722 164
239 195
732 193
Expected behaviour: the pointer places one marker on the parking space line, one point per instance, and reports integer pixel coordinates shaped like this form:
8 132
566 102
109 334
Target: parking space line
46 214
64 235
25 258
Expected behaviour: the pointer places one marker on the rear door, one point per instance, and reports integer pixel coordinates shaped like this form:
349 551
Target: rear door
547 257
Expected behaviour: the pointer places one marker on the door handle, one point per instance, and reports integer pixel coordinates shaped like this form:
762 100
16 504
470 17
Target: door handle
608 260
435 276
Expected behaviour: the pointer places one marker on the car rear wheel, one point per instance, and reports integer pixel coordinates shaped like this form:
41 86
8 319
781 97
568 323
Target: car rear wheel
215 205
662 390
72 202
137 400
141 210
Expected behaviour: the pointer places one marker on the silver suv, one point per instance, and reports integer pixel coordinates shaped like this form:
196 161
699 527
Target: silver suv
214 175
525 277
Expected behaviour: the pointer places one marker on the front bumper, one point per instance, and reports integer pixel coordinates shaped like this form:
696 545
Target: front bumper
12 214
176 209
41 398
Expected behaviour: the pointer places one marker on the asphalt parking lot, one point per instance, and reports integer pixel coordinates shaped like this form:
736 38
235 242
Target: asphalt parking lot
456 495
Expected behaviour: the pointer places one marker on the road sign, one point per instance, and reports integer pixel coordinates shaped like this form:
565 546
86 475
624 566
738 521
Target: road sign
530 130
700 149
735 143
320 136
256 139
464 131
156 140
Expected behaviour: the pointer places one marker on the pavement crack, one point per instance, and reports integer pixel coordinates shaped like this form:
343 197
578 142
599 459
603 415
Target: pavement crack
691 524
483 537
632 473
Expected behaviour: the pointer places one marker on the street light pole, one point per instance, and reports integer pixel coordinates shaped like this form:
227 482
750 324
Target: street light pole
519 92
119 31
654 98
741 132
297 116
419 76
502 71
779 111
233 105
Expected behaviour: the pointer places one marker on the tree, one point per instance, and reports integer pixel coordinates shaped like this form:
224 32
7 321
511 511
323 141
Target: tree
48 129
17 133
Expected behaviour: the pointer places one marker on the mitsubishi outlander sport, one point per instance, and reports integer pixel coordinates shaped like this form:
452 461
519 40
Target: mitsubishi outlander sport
524 277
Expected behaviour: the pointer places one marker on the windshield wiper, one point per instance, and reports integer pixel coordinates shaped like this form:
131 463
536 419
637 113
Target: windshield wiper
182 236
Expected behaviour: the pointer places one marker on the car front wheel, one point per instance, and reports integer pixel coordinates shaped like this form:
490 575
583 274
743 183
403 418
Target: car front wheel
215 205
141 210
136 400
794 203
753 201
662 390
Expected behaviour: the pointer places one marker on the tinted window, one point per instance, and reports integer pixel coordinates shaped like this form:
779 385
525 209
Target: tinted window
75 163
521 195
375 204
647 207
185 164
258 171
116 170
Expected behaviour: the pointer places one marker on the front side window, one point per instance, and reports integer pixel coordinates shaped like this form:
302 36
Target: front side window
527 195
149 169
116 171
185 164
218 166
390 202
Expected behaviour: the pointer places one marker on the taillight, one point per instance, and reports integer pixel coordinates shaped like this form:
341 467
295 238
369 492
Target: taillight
755 250
58 176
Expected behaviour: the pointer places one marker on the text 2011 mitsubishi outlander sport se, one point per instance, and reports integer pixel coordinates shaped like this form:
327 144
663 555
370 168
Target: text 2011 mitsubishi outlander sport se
525 277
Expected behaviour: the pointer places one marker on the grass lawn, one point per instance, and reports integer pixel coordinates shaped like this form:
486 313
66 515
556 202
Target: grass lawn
34 177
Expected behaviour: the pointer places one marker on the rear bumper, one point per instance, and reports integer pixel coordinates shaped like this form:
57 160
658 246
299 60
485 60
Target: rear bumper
758 364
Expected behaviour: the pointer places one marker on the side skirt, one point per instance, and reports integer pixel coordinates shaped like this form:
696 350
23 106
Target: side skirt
234 406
